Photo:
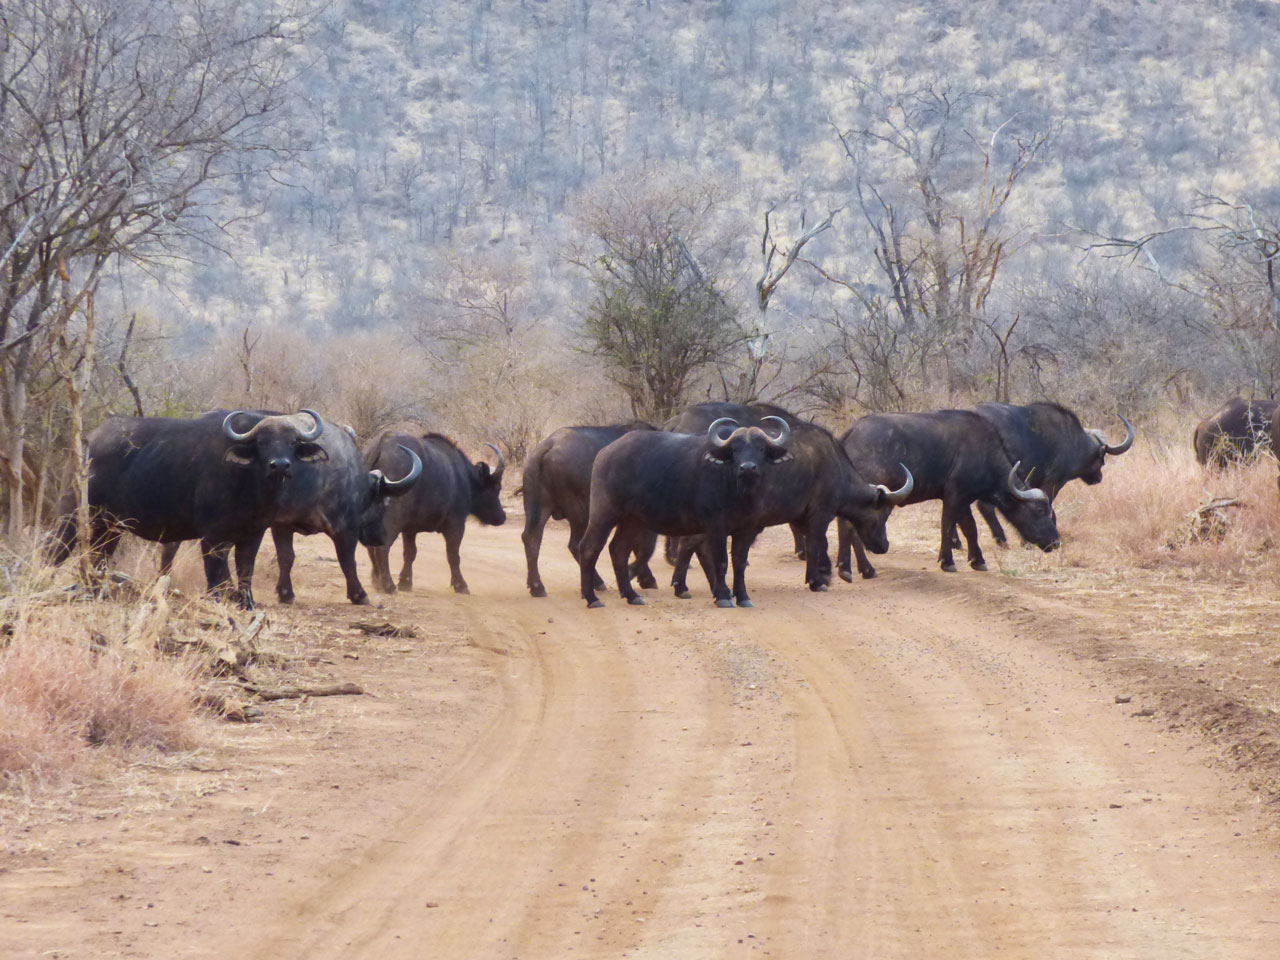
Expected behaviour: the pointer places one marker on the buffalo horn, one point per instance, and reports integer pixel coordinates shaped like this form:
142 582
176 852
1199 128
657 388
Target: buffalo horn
899 496
722 422
784 431
1123 445
395 486
230 431
315 431
1031 494
502 462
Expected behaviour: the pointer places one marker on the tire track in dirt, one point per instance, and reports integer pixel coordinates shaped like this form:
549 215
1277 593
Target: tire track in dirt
892 770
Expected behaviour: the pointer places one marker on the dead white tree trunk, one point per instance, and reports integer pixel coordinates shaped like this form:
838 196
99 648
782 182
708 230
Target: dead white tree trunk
771 275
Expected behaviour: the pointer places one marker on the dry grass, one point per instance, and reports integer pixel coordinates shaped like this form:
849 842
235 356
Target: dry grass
1148 513
82 685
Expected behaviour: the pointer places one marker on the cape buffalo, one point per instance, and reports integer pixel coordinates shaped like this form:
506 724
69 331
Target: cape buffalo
676 484
223 478
809 490
697 417
451 489
1053 447
557 484
341 448
1239 430
956 456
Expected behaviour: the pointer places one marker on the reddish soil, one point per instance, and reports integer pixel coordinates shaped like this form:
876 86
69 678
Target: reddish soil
924 765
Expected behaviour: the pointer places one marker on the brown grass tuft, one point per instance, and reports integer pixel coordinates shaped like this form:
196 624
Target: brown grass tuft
1155 508
69 695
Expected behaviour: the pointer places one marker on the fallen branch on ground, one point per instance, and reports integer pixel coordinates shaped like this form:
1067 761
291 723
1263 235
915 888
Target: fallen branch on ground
296 693
384 629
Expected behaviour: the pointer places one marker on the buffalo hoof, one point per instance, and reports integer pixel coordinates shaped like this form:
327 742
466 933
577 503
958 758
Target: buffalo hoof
948 568
537 590
636 601
285 598
980 566
1002 544
724 603
598 582
647 583
594 604
683 595
381 588
846 575
461 588
406 586
745 603
361 601
868 574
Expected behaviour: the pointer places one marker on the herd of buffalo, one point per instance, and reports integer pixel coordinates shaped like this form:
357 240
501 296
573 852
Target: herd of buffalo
709 480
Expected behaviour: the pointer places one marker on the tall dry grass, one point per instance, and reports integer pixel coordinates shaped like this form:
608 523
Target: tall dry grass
83 687
1148 512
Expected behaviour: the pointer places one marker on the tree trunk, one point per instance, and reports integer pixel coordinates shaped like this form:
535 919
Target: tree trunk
78 381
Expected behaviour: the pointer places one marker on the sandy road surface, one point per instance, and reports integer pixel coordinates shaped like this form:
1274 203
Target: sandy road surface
914 767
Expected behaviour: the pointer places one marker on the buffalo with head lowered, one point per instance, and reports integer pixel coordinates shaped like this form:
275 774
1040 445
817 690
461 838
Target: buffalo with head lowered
1053 447
955 456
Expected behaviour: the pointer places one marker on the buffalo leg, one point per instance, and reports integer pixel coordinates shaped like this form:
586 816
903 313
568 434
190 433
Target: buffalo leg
380 561
409 548
844 550
707 561
686 547
452 545
741 547
619 553
168 551
799 544
246 558
993 523
817 573
217 573
283 539
645 547
717 545
850 541
970 530
345 548
576 533
535 522
105 539
950 515
598 529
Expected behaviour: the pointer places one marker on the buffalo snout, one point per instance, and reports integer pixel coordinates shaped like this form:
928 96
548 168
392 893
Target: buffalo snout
278 468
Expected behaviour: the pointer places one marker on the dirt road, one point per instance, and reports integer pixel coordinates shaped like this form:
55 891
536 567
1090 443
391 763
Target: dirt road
908 768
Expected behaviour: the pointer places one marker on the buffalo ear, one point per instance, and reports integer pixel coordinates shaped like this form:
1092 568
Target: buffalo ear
240 455
482 471
777 455
310 452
